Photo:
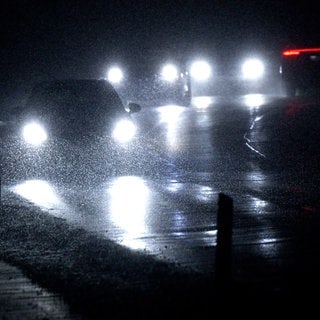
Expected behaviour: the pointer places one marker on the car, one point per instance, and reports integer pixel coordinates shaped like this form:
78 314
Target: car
224 73
71 126
153 81
300 69
164 78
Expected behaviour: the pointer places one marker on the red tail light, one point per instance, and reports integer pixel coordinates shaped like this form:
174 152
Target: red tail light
296 52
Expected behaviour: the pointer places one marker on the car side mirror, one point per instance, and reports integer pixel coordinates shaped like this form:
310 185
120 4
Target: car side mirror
134 107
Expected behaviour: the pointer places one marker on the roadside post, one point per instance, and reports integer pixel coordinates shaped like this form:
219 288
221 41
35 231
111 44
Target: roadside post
224 243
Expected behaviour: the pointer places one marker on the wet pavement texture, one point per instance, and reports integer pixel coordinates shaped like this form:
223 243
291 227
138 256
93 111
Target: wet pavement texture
20 298
161 259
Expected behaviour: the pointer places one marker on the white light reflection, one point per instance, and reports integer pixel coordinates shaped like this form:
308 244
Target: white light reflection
170 115
268 239
258 204
210 237
200 192
207 238
202 102
205 193
174 186
254 100
39 192
129 200
256 179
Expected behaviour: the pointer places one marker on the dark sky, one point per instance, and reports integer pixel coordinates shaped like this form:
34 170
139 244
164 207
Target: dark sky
77 38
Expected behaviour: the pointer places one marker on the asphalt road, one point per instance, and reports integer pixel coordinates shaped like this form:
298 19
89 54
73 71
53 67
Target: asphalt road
170 212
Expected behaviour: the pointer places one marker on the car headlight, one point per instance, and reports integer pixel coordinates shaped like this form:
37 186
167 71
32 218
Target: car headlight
200 70
169 72
252 69
124 131
34 133
115 75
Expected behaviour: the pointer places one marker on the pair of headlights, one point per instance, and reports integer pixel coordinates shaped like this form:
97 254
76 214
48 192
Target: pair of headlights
199 71
169 73
35 134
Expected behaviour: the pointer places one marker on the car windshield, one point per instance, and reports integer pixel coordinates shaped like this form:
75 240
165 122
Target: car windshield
76 98
85 104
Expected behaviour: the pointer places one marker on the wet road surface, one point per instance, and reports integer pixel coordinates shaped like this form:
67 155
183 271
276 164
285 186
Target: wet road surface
22 299
172 213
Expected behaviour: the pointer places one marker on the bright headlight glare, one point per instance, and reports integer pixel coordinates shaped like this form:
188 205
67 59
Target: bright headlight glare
124 131
115 75
169 73
252 69
34 134
200 70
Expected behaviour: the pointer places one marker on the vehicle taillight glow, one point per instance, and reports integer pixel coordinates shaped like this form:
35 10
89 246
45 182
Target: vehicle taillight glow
296 52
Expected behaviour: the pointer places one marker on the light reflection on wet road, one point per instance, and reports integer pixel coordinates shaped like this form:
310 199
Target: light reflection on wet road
135 212
173 216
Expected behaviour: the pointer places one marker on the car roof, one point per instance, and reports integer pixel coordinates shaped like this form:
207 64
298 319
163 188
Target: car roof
80 94
69 104
82 85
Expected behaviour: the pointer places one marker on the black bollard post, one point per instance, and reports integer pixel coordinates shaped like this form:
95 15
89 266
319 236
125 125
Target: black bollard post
224 243
0 191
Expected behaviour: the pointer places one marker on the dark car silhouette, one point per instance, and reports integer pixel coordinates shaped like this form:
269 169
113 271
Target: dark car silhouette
300 69
157 80
69 126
